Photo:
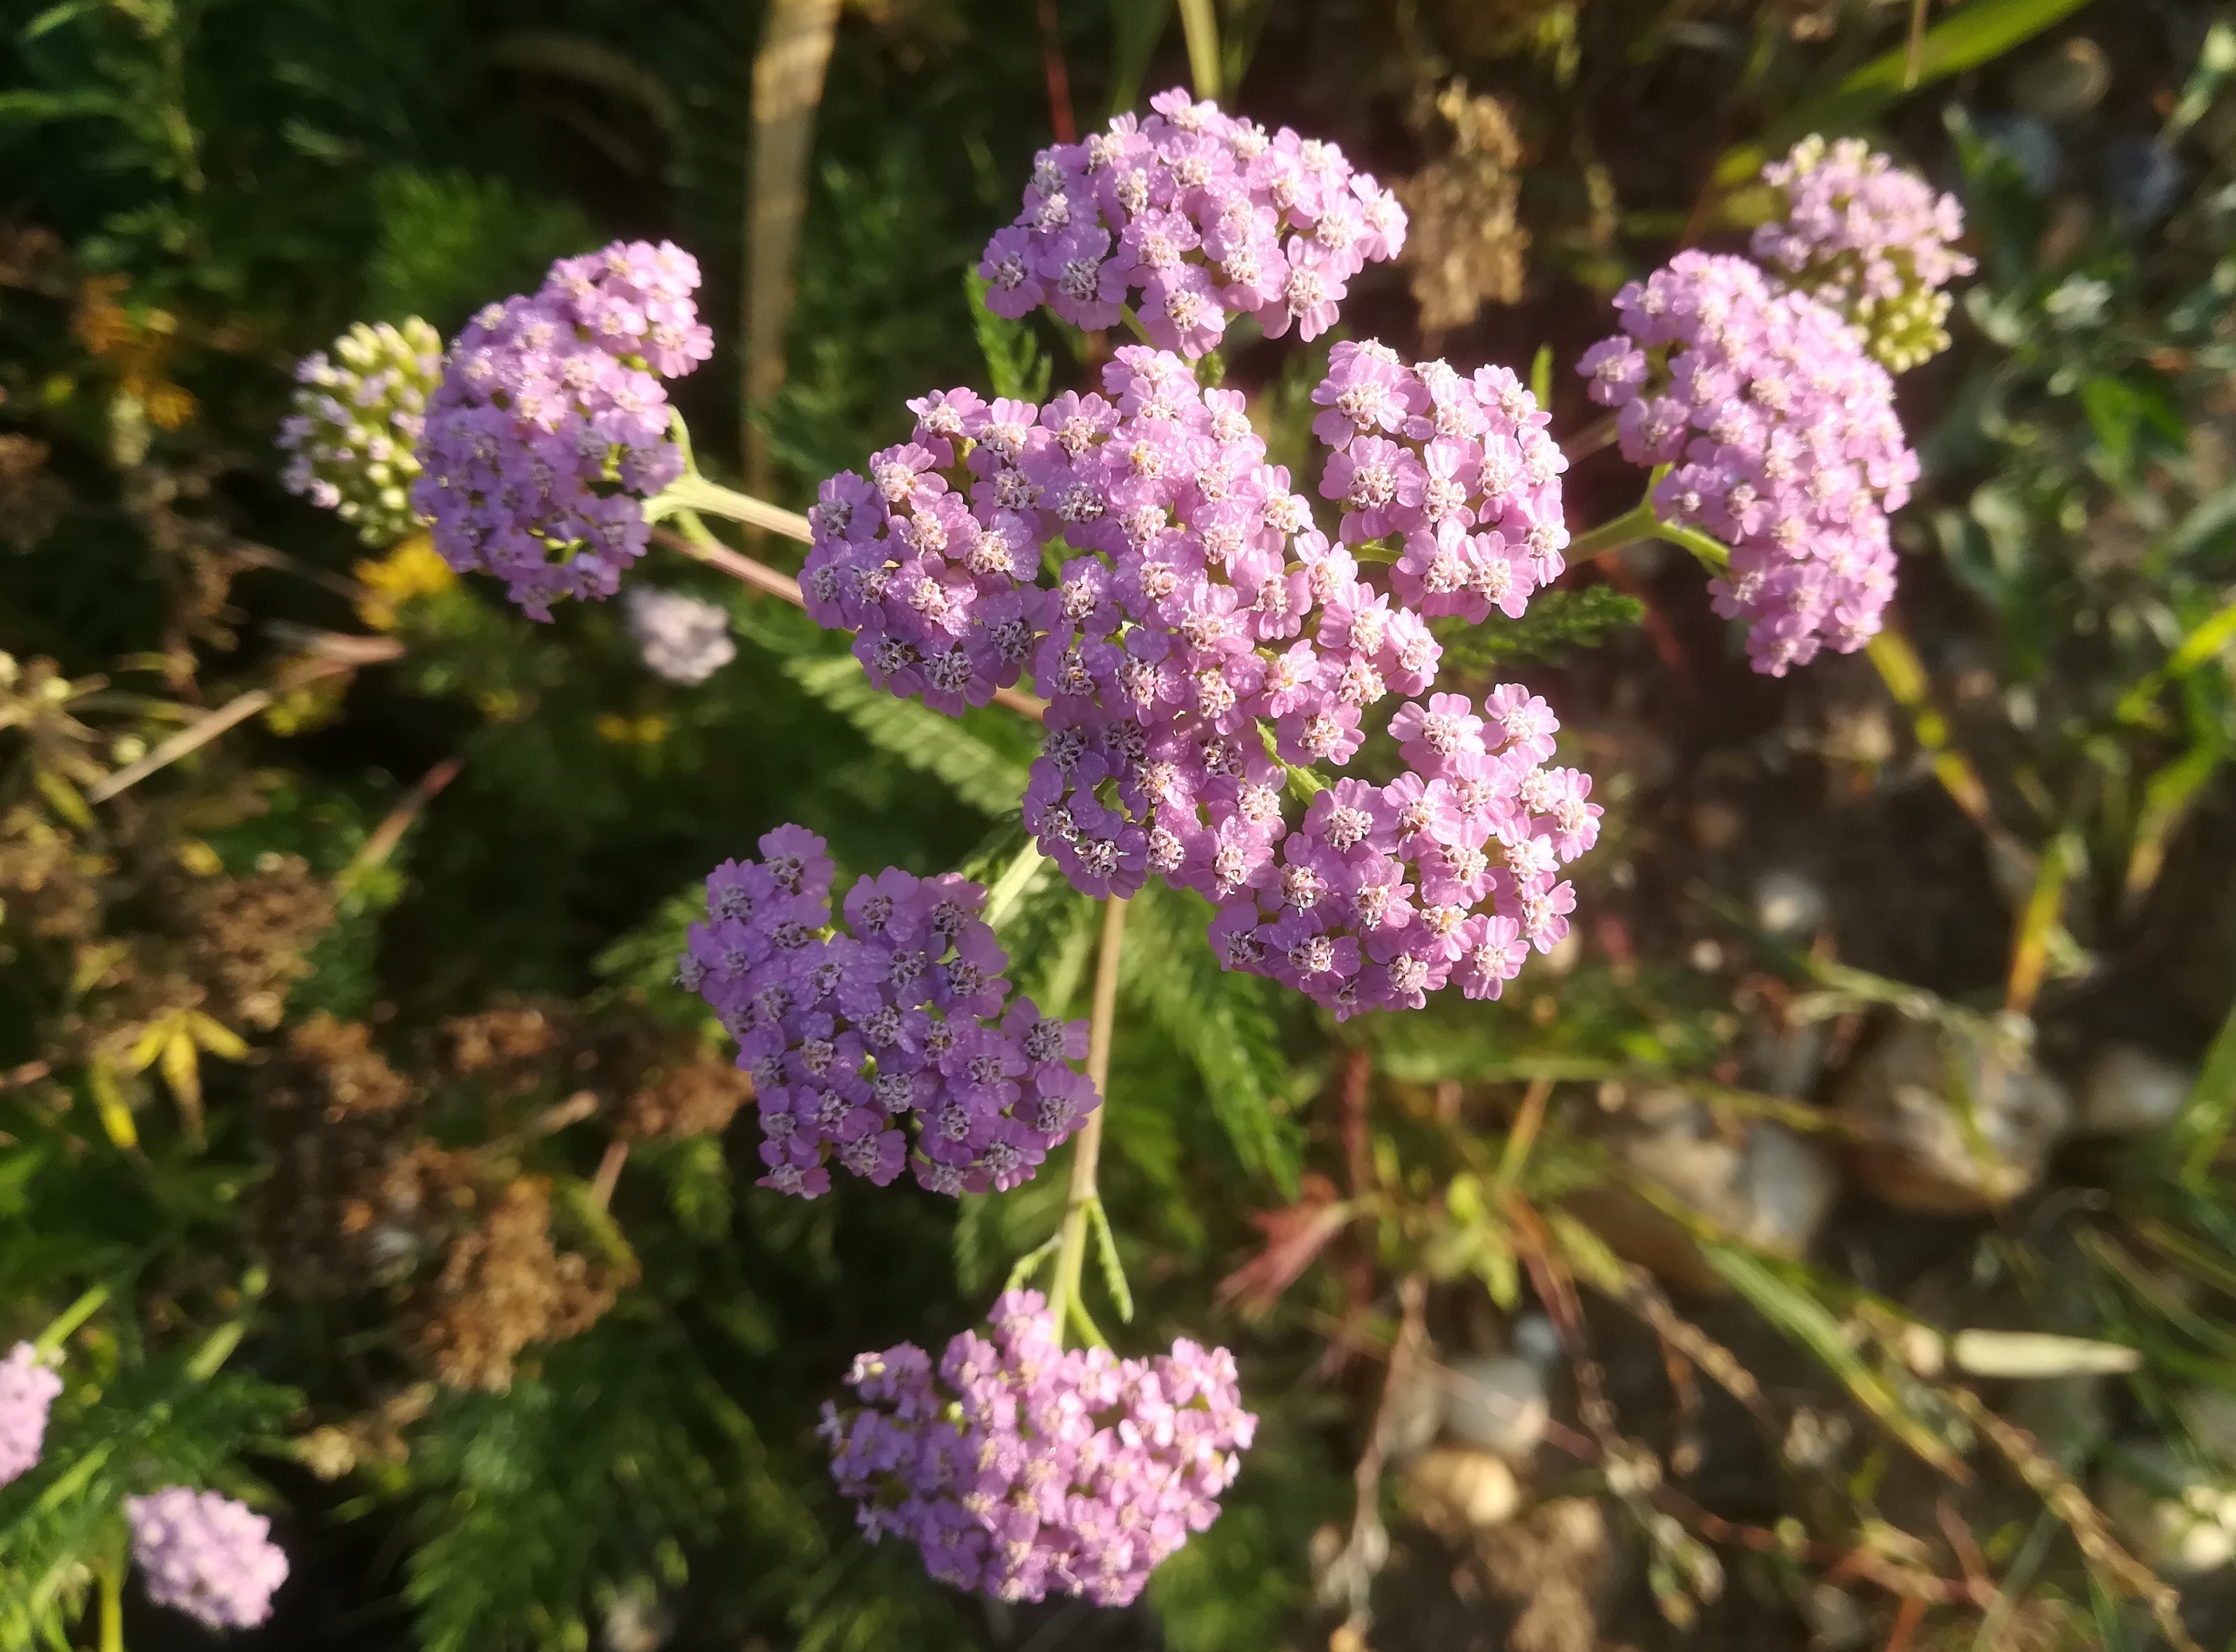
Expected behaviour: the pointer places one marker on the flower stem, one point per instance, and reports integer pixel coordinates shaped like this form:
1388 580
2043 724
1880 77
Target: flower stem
1641 522
693 492
51 1340
217 1347
1634 525
112 1606
609 1173
1599 433
1710 552
696 542
1086 1146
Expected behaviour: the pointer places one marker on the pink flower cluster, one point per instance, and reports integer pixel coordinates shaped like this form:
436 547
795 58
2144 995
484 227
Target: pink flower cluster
1449 875
206 1556
849 1036
1781 437
550 428
1200 639
1200 214
27 1393
1853 215
1022 1469
1462 468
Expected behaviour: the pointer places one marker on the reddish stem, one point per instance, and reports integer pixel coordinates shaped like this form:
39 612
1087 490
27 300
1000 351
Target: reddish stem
1059 78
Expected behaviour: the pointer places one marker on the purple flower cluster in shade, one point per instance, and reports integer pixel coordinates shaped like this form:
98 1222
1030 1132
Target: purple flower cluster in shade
850 1037
550 428
1855 218
1781 439
1021 1469
1200 639
27 1393
206 1556
1195 215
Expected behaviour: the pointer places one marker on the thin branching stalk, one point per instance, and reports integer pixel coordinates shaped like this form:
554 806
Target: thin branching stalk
788 71
1369 1542
609 1173
1064 128
387 836
1903 673
237 711
693 539
1087 1145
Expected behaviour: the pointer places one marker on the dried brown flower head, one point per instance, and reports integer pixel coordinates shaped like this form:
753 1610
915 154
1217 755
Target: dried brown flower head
47 885
697 1095
335 1215
32 498
503 1286
1464 246
511 1047
245 937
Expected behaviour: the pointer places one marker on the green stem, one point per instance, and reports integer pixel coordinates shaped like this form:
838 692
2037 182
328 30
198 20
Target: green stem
1712 553
112 1606
693 492
1635 525
1200 25
217 1347
1642 523
1133 321
1087 1147
51 1340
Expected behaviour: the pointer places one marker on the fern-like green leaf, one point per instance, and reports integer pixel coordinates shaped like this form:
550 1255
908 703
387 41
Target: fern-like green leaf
1014 366
984 755
1556 620
157 1425
619 1451
1222 1022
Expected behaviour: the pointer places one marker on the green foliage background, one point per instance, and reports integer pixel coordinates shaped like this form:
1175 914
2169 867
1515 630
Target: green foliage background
237 180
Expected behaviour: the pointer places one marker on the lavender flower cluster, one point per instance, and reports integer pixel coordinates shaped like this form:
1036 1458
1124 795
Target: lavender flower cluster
550 428
206 1556
1200 637
1020 1468
356 425
27 1393
1869 239
848 1036
1200 214
1782 439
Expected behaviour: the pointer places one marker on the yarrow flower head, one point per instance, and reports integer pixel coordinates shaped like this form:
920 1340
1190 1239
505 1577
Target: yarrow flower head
1021 1469
1200 640
550 428
1782 439
1871 240
853 1039
1193 215
357 416
681 638
206 1556
27 1393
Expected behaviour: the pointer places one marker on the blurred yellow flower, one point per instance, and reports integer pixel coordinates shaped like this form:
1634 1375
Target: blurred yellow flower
412 569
